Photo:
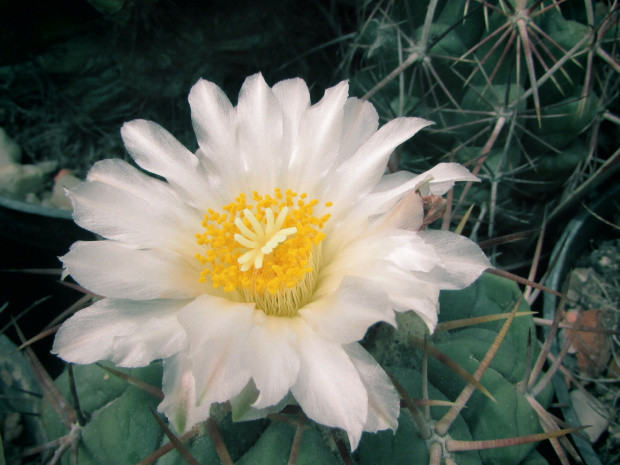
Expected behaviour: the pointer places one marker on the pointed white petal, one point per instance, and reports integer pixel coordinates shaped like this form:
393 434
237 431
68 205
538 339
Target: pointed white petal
439 179
120 174
319 140
243 409
121 203
360 121
346 314
215 123
294 99
407 214
395 195
117 270
259 133
407 280
213 118
356 176
406 290
462 260
387 194
410 293
379 210
130 333
273 357
353 257
217 331
389 182
413 253
157 151
383 400
357 256
179 388
329 388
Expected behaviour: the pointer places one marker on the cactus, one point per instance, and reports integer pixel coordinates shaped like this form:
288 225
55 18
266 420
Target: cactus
519 90
19 397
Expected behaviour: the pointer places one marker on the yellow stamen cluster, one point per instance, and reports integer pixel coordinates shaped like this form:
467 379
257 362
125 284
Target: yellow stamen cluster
268 251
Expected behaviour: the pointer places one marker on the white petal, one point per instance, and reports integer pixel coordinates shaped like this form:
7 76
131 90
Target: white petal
215 124
439 179
462 260
294 99
242 409
356 256
119 202
130 333
346 314
157 151
356 176
389 182
383 400
376 259
376 211
413 253
260 130
407 214
213 118
405 289
123 176
360 121
117 270
319 141
408 292
329 388
179 388
394 196
387 194
349 259
217 331
273 357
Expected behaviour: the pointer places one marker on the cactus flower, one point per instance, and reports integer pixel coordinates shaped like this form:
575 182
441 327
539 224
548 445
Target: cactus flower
257 263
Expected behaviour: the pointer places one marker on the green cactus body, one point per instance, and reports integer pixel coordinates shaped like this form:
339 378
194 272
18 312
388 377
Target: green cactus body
116 429
539 78
562 123
19 397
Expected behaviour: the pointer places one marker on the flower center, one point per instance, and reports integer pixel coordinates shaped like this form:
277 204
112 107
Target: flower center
268 252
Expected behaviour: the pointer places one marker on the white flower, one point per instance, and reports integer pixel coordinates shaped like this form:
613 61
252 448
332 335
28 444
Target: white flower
265 256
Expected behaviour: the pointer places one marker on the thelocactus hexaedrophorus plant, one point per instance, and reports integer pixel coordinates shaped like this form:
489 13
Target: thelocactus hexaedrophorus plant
263 258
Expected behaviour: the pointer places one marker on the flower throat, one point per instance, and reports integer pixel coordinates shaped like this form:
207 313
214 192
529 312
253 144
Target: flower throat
268 252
